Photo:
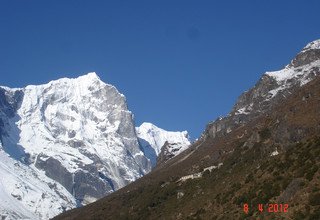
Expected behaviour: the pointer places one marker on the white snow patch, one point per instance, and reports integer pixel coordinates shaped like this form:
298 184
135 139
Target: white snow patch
199 175
244 110
314 45
289 72
287 76
274 153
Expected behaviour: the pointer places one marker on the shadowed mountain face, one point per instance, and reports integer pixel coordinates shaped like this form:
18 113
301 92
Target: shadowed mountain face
266 151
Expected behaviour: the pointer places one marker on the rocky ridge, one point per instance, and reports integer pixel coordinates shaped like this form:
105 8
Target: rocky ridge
270 90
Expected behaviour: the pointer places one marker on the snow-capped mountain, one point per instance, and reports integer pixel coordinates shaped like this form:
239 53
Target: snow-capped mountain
279 84
272 88
153 140
65 144
266 149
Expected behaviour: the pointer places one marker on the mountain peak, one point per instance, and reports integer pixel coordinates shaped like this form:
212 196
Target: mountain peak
90 76
78 131
314 45
153 138
84 81
147 126
309 54
89 79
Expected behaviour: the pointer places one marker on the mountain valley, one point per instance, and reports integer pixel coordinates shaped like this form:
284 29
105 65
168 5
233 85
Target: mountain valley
264 152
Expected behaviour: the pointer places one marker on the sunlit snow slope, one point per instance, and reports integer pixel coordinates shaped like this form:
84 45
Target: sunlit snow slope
26 193
152 140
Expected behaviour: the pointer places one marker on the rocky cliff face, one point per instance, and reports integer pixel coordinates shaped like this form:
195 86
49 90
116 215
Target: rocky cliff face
270 90
76 139
27 193
80 132
170 150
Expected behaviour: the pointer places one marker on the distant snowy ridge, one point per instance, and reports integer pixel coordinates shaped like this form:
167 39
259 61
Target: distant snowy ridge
314 45
295 75
275 85
152 139
300 68
300 65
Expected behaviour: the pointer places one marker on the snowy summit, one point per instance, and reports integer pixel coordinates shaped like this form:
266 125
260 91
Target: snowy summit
67 143
152 139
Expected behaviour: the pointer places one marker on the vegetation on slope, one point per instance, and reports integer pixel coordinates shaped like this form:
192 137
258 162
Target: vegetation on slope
249 174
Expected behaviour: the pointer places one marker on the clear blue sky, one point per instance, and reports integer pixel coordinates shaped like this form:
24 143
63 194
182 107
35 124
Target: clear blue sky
180 64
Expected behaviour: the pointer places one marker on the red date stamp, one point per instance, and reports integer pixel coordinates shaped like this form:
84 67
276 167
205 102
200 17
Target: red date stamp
272 207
